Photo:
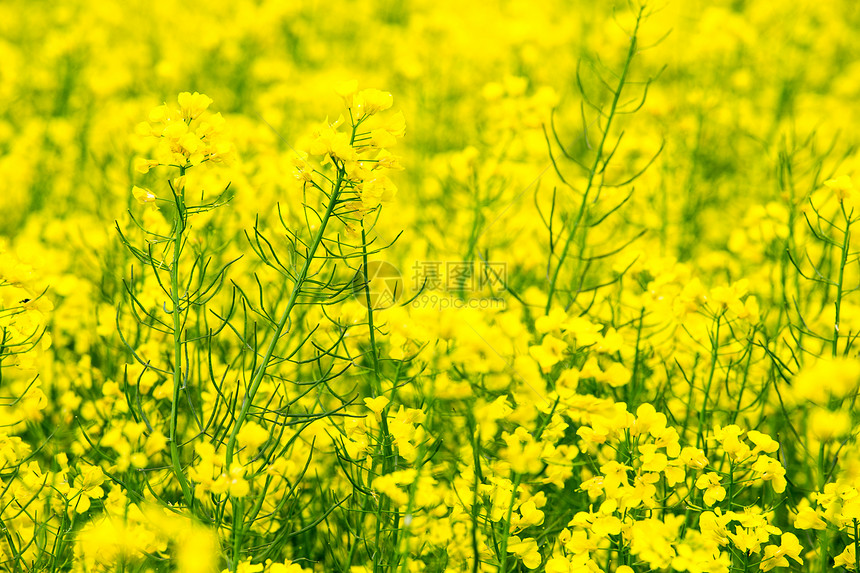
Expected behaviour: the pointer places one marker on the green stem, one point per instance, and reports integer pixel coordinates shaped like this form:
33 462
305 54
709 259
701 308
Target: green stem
714 356
632 390
594 168
372 330
517 478
257 379
238 529
270 349
856 547
731 491
823 546
385 436
176 300
843 260
474 430
60 542
822 478
507 532
744 380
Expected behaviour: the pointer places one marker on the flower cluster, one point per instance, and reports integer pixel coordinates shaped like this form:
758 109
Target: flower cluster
205 382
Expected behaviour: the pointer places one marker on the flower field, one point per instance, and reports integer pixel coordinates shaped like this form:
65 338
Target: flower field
294 287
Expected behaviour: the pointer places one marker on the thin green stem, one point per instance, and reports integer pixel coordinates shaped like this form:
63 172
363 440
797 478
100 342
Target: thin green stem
176 300
822 469
260 373
368 303
714 359
592 175
824 556
843 261
383 507
285 316
856 547
507 524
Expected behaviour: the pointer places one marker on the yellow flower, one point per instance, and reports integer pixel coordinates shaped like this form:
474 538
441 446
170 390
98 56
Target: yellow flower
729 437
370 101
380 138
88 486
303 170
776 556
675 473
192 105
593 486
347 90
549 353
330 142
530 515
237 484
614 477
558 564
654 461
694 458
808 518
385 160
287 568
771 470
103 542
526 550
585 331
389 486
395 124
247 567
763 442
550 322
252 435
713 526
522 452
647 418
181 142
827 378
376 405
714 492
847 558
159 114
841 186
175 130
747 540
144 196
643 491
142 165
825 425
377 190
654 540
